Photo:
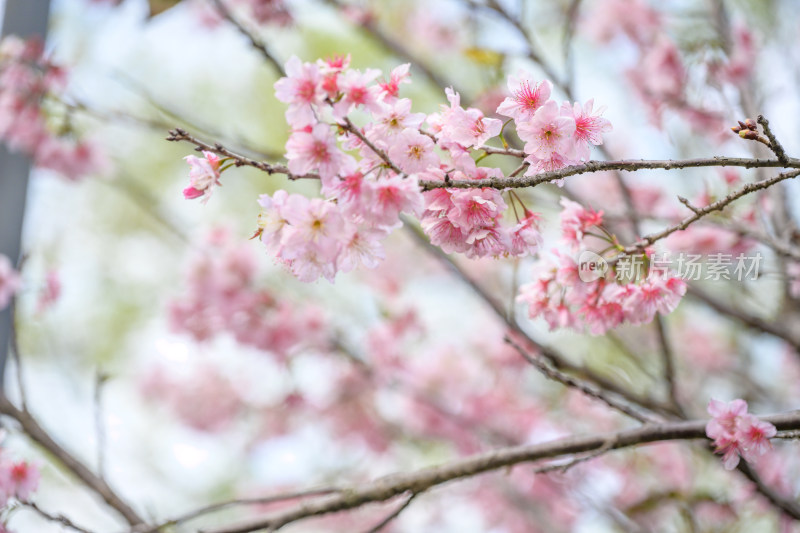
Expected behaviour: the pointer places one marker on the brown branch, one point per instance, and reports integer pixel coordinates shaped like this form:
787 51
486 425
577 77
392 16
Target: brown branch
179 134
774 145
349 126
390 486
33 430
629 165
257 43
699 213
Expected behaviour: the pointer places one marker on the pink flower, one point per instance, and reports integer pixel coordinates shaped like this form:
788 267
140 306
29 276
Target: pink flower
386 198
526 97
396 117
589 126
736 433
315 150
576 220
444 234
525 236
10 281
203 175
475 209
361 247
413 152
271 220
356 92
24 479
467 127
302 90
313 223
398 75
548 133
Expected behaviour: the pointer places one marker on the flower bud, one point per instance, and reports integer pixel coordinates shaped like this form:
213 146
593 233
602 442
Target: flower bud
750 124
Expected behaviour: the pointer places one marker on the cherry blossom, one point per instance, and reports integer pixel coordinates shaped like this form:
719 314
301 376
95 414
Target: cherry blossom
736 433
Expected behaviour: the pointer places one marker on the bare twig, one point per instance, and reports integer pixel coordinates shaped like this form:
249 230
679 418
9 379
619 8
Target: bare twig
179 134
394 514
390 486
99 381
774 145
57 518
322 491
719 205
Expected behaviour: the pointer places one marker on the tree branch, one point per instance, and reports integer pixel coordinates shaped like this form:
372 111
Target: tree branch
629 165
33 430
390 486
699 213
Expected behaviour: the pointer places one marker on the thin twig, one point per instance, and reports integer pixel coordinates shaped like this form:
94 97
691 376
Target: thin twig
99 381
349 126
57 518
774 145
179 134
394 514
322 491
668 360
719 205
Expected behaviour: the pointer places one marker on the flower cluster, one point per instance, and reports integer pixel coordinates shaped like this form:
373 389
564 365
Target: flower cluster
370 174
27 79
555 136
223 296
584 292
736 433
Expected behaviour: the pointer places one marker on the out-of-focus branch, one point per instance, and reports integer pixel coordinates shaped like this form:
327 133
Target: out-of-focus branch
38 435
202 511
390 486
397 48
257 43
586 388
770 327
